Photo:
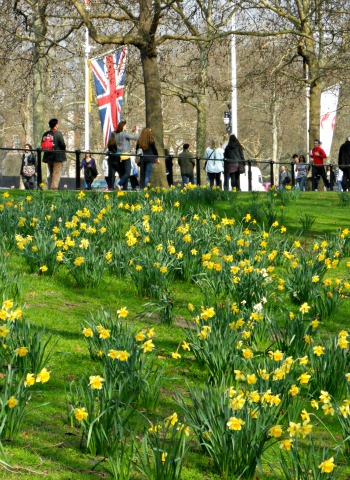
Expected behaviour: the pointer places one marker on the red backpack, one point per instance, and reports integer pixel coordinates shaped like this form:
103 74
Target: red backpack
47 142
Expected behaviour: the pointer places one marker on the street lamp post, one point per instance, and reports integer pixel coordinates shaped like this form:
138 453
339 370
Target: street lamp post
87 82
228 118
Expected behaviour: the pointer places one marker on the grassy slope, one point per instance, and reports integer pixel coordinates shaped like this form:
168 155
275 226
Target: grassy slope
48 445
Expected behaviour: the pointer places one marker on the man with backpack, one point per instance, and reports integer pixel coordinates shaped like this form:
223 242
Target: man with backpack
54 148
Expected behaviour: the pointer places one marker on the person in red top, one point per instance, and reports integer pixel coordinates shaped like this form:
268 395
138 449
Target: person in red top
318 155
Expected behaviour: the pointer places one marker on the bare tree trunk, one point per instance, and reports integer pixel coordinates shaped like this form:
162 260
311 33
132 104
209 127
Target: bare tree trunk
154 113
39 72
201 134
315 110
275 111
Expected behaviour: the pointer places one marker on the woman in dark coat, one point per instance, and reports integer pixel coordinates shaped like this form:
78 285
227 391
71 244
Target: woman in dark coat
150 153
90 169
233 158
28 167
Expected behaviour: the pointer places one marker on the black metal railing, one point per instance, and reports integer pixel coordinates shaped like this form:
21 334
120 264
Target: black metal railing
199 163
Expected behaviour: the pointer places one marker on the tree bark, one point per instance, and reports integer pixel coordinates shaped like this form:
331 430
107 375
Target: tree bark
201 133
315 107
154 112
39 72
275 112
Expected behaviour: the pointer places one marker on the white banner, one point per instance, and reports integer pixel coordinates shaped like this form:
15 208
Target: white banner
329 103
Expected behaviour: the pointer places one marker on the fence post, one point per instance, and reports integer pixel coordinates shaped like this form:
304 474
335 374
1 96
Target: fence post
198 170
313 173
39 173
250 187
292 173
330 176
142 171
77 169
170 176
272 178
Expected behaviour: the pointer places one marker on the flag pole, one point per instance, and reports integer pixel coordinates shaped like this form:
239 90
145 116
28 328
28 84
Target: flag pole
234 106
87 84
307 98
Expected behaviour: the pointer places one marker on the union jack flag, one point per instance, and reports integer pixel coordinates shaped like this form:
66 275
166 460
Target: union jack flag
109 74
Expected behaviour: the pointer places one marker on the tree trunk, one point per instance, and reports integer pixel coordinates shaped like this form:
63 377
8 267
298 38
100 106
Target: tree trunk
275 111
154 113
315 110
39 75
201 126
204 49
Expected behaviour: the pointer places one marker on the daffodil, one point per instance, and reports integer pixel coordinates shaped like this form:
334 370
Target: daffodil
123 312
87 332
327 466
21 351
43 376
148 346
275 431
96 382
286 444
235 423
318 350
12 402
30 380
81 414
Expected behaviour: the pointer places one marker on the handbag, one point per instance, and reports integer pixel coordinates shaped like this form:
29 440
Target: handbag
28 170
124 156
241 168
135 172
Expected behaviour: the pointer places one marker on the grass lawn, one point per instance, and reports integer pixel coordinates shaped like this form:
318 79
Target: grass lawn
49 443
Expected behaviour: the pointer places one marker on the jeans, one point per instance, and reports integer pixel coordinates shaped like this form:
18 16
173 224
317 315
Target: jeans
148 171
301 182
187 178
215 179
29 182
113 167
125 170
234 176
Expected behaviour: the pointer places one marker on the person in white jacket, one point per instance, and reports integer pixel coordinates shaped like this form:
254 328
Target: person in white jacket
214 164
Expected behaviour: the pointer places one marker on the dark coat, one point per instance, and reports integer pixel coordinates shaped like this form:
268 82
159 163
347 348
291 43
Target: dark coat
344 155
150 154
90 169
233 156
59 153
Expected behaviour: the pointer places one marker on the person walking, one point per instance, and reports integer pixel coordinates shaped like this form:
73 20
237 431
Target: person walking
186 163
233 157
119 155
90 169
344 163
147 144
319 155
54 148
284 178
28 167
134 174
301 173
214 164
